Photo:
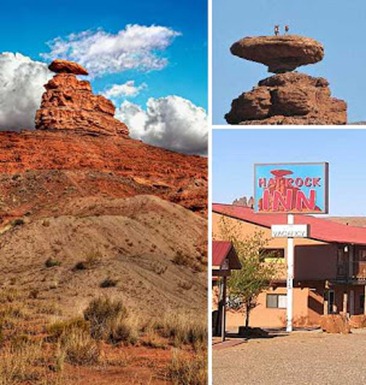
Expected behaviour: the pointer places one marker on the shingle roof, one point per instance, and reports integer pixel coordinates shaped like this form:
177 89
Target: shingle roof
320 229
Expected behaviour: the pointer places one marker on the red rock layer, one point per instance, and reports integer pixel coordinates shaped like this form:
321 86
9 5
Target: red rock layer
288 98
69 104
42 171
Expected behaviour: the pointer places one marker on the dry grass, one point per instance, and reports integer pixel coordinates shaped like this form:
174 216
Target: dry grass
79 348
188 371
109 320
182 328
91 261
23 362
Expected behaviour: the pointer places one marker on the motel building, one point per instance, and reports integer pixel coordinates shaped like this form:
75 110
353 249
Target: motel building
329 268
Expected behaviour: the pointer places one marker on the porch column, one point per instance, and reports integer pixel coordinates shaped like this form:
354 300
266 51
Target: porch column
345 303
223 312
351 302
325 304
326 298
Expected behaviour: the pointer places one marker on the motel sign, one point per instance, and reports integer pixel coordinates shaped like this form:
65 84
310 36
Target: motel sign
291 188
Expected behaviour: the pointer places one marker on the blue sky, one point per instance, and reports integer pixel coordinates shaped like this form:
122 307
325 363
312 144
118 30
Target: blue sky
26 26
339 25
235 152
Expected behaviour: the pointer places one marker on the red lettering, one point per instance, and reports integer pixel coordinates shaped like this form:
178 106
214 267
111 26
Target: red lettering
285 202
302 202
266 200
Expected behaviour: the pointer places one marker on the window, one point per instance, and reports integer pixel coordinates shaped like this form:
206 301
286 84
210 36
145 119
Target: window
271 253
362 302
331 302
362 255
276 301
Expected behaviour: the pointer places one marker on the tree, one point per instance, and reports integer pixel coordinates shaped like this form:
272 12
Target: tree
258 268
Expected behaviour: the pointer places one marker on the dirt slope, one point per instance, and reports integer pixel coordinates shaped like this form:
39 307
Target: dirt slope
40 168
134 241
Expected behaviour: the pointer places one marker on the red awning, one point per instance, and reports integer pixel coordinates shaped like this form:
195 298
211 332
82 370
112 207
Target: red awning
222 250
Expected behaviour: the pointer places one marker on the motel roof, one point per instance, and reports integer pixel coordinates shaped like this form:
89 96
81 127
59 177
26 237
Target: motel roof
222 250
320 229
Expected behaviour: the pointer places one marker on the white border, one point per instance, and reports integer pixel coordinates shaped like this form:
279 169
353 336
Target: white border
209 184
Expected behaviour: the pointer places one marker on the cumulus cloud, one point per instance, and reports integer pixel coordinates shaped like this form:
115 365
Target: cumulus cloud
170 122
21 85
128 89
135 47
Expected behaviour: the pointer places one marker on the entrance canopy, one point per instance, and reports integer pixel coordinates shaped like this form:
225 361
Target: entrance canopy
224 258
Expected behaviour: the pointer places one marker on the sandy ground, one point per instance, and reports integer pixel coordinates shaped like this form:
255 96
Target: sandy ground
304 358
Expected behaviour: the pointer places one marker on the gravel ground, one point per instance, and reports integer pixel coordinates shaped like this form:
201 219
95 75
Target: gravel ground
303 358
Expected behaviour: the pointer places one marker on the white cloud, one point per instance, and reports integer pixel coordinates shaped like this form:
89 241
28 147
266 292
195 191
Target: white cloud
135 47
21 85
170 122
128 89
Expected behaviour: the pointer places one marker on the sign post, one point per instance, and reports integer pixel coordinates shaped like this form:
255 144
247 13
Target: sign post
291 188
290 277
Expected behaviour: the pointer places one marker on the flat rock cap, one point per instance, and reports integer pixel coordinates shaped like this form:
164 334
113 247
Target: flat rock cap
279 53
68 67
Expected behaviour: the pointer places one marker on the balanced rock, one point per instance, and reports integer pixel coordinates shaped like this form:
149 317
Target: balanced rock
69 104
288 98
279 53
67 67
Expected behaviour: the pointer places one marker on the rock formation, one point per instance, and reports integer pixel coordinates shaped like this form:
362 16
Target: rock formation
69 104
287 97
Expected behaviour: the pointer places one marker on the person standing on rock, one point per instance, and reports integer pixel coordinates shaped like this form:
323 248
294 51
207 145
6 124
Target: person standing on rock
286 29
276 29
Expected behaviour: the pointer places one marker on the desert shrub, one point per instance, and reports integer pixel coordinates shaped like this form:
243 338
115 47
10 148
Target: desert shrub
17 222
123 330
10 295
109 320
51 262
80 348
181 259
19 363
188 371
33 294
13 311
59 328
182 328
109 282
101 312
48 308
159 268
153 340
185 285
92 260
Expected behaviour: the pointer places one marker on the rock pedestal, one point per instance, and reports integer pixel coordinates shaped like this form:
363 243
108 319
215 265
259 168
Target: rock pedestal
287 97
69 104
